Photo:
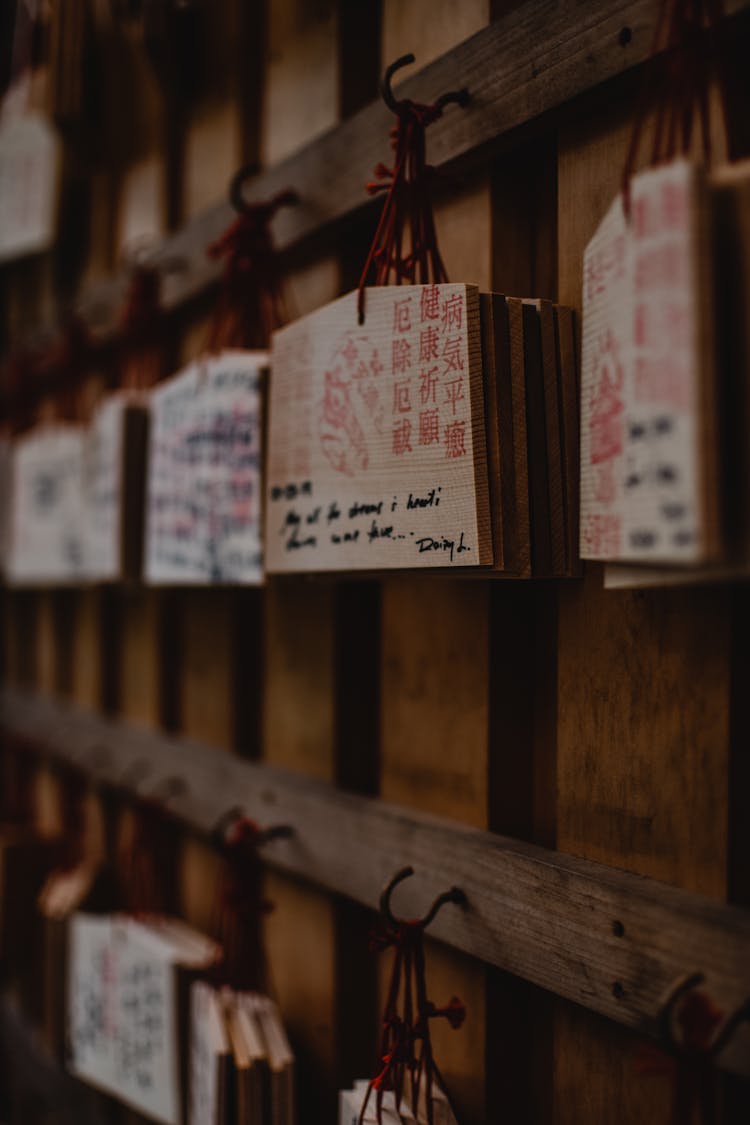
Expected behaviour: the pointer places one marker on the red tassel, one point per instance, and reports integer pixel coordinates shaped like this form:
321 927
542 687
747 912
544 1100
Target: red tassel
251 304
239 910
406 1057
407 211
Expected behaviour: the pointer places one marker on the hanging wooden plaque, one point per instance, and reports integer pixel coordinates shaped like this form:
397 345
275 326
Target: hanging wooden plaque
649 445
47 534
377 454
204 487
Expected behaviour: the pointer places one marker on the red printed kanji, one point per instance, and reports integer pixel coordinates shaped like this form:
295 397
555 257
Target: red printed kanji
674 206
428 343
606 416
453 312
350 352
618 253
661 265
642 320
605 486
601 535
455 439
454 392
370 396
427 386
361 371
401 317
452 355
677 325
429 427
375 365
402 437
401 399
594 276
642 211
429 303
401 354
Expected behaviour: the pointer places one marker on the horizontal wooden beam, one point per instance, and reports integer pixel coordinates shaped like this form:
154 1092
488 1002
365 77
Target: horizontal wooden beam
608 940
538 57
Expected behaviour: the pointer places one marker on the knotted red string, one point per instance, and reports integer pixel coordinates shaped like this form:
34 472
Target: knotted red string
691 1067
239 910
140 330
251 304
689 32
407 216
407 1061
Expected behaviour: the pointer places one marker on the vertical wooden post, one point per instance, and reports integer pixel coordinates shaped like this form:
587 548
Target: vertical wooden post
300 101
643 705
435 639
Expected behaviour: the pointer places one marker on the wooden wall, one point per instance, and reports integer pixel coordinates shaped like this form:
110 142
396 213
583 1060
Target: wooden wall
607 724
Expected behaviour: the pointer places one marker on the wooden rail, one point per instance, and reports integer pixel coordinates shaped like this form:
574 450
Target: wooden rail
533 60
608 940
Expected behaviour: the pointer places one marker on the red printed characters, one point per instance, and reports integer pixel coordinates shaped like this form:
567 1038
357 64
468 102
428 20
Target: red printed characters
351 394
341 436
606 417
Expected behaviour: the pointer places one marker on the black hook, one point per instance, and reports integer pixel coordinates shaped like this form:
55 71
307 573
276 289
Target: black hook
455 895
237 183
236 815
687 984
238 201
459 97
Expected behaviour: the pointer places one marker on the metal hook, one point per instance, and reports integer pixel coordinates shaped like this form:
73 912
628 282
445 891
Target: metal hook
683 986
238 202
235 815
459 97
237 183
455 895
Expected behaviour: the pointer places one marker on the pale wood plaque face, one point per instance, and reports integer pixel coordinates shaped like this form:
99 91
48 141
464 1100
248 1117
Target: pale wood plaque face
204 490
46 534
376 444
648 443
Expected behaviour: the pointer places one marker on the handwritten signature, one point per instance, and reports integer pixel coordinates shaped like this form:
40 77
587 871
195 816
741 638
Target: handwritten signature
450 546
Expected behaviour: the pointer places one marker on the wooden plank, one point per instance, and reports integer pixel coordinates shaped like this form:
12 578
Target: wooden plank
643 695
384 490
522 637
533 59
542 915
